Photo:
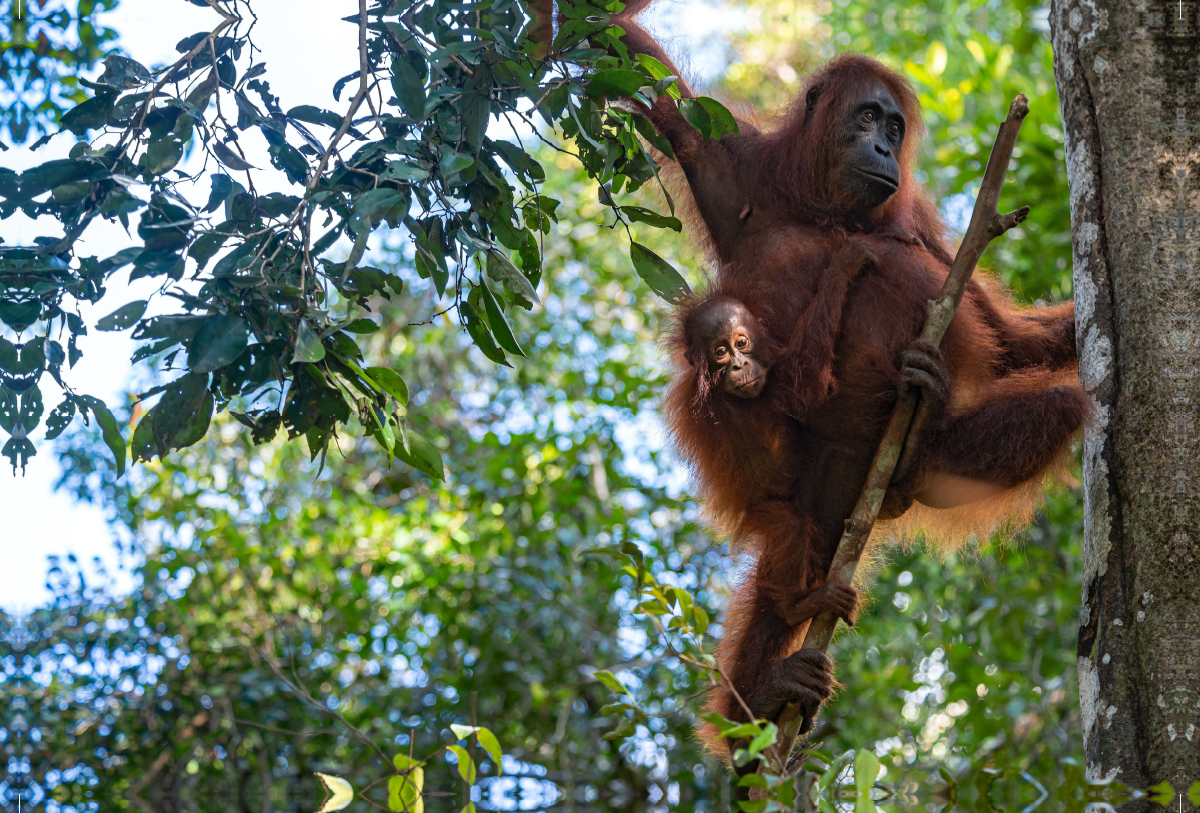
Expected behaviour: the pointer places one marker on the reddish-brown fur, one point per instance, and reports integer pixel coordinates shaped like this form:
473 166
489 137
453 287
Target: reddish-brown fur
784 484
781 472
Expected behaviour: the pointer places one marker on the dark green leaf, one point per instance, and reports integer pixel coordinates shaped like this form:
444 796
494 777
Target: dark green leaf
229 158
421 455
109 429
60 417
220 339
618 81
658 274
178 420
481 335
222 187
315 115
500 327
308 345
721 120
163 154
123 317
696 116
390 382
409 86
641 215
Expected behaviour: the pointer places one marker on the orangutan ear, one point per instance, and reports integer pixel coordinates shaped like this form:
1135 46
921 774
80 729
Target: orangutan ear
810 100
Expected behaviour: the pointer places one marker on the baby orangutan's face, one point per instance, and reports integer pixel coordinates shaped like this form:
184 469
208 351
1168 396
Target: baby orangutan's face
731 337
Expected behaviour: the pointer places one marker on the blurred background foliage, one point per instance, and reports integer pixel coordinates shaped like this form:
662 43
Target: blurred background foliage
44 44
292 620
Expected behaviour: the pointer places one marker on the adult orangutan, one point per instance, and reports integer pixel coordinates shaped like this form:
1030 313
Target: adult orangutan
781 471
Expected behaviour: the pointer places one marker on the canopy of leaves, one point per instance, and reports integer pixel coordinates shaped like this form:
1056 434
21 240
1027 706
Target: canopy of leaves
272 292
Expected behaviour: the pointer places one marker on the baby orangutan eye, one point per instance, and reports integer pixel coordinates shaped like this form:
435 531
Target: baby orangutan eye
742 344
720 352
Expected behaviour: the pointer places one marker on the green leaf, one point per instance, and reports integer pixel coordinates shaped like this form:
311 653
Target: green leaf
178 420
1162 793
60 417
290 161
122 72
109 429
466 767
163 154
308 345
492 745
501 269
741 732
610 680
176 326
481 335
463 731
230 158
656 68
404 792
866 769
422 455
696 116
375 205
831 773
338 793
222 188
20 315
123 317
361 326
390 382
400 171
669 85
409 86
721 120
500 327
315 115
617 81
658 274
404 762
220 339
453 162
207 245
639 214
519 160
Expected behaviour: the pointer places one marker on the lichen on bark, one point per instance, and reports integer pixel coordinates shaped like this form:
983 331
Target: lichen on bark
1128 76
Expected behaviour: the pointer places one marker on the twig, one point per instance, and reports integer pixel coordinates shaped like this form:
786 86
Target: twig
986 224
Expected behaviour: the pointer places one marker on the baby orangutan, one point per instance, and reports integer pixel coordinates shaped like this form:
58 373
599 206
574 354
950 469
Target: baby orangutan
740 355
740 424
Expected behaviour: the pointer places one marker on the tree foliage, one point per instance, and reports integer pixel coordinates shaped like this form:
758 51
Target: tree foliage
273 295
43 47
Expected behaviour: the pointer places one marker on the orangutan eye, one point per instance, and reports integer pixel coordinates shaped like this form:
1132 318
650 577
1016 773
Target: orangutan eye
742 344
868 116
894 128
721 352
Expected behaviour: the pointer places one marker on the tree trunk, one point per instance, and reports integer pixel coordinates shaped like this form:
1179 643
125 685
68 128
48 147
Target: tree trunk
1128 76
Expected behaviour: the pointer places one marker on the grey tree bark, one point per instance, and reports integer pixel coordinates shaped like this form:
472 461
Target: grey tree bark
1128 76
